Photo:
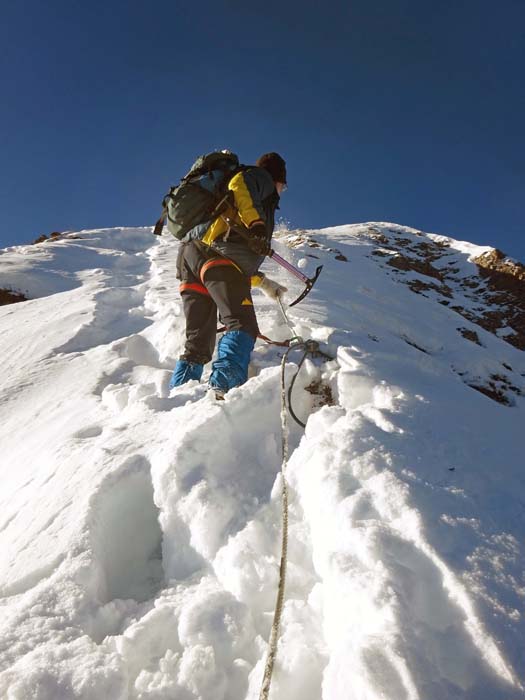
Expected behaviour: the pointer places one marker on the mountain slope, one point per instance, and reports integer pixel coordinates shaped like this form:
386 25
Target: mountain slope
141 530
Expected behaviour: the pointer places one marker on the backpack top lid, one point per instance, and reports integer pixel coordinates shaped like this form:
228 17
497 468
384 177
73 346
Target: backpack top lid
218 160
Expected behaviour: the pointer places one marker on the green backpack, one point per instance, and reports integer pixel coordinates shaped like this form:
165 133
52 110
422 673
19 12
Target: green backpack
197 199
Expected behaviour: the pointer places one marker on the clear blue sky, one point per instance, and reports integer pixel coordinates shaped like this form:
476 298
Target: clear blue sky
396 110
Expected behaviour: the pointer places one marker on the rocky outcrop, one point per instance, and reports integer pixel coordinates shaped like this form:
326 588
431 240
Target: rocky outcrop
502 273
9 297
52 237
505 279
493 297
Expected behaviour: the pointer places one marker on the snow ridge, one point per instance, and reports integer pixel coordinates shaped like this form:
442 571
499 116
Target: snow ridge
141 529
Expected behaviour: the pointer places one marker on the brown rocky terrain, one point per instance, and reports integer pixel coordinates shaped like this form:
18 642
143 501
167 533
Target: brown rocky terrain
9 297
494 292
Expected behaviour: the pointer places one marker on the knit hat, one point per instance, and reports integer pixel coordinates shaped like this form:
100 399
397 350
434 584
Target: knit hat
275 165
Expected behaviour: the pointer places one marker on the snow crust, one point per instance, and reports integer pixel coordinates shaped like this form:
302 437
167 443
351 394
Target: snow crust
140 530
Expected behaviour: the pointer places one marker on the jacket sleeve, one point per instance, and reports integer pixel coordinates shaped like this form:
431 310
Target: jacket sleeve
247 198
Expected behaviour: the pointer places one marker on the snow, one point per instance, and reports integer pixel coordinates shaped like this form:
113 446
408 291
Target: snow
141 530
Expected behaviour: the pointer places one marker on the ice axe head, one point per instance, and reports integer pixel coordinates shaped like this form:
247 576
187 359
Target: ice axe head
309 282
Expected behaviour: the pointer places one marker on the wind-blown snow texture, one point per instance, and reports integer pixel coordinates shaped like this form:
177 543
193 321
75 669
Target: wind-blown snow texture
140 531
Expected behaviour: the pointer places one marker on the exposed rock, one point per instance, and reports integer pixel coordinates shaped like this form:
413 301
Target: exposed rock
378 236
418 287
505 282
503 274
494 298
52 236
498 388
498 290
7 296
300 236
493 392
322 392
402 262
470 335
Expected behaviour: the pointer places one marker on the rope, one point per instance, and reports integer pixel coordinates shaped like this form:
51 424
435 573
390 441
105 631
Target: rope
274 634
310 347
292 413
279 343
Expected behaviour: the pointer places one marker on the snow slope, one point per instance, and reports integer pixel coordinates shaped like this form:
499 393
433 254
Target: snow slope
140 531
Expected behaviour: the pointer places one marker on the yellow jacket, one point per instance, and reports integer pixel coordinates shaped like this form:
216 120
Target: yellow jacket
254 202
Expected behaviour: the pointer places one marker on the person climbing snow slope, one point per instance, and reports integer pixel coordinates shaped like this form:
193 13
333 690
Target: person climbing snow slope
217 270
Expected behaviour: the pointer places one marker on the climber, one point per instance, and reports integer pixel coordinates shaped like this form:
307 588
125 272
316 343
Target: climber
217 270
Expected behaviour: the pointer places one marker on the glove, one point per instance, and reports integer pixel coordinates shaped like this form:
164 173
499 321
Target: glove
272 289
259 239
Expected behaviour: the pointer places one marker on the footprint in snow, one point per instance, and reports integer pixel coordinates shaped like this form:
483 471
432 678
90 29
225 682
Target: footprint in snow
91 431
178 397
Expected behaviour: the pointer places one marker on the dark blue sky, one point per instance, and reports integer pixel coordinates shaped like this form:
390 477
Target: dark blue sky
408 111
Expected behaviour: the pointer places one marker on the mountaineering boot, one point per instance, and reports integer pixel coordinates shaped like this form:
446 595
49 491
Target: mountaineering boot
184 371
231 366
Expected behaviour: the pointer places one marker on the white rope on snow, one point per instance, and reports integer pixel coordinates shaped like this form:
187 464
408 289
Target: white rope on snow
274 634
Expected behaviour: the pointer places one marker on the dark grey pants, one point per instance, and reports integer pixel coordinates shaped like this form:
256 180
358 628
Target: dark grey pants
211 284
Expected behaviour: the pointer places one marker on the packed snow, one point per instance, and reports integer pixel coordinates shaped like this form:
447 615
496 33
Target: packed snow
141 529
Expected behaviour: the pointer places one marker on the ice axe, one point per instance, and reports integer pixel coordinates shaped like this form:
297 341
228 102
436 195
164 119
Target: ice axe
307 281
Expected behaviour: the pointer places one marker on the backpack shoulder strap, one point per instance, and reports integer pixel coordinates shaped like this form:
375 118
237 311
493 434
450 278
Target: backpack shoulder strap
160 223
